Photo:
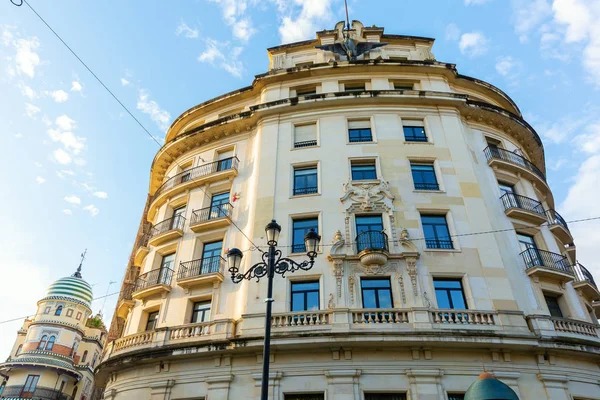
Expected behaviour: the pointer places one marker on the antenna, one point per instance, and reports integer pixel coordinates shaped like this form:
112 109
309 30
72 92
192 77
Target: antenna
347 19
77 273
105 297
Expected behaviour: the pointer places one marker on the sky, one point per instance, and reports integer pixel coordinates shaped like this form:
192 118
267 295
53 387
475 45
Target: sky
76 166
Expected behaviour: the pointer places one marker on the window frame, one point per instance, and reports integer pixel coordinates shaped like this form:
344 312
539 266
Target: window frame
305 123
58 311
424 186
452 244
448 292
305 294
308 189
362 162
51 342
154 321
295 248
30 386
385 396
555 297
377 290
205 312
367 139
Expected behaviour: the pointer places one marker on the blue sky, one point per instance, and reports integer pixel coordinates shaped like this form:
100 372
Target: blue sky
76 166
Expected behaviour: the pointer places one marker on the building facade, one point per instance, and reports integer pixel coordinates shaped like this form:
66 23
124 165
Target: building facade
57 349
441 248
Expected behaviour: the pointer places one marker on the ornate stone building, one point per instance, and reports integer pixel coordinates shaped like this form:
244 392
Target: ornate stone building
442 250
57 349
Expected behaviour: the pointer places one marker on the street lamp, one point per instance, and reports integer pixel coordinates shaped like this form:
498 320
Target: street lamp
272 262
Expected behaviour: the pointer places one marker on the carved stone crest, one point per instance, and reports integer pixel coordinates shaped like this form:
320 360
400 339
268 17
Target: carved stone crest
366 196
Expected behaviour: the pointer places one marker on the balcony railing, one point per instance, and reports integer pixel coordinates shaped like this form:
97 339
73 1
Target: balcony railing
445 244
555 218
213 212
427 186
306 143
509 156
380 316
135 340
159 276
128 289
546 259
574 326
583 275
305 190
167 225
463 317
202 266
300 318
194 173
372 240
511 200
39 393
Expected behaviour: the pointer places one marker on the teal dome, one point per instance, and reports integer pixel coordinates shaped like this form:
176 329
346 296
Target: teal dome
487 387
72 287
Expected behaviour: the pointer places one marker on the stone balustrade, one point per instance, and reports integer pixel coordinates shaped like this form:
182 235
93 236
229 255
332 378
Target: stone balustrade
135 340
470 317
380 316
565 328
573 326
303 318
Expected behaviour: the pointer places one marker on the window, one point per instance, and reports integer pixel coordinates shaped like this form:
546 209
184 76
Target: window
78 316
368 232
69 313
305 296
152 320
30 386
359 131
43 342
166 268
305 180
354 87
85 353
47 310
225 160
403 85
211 257
414 131
363 170
437 235
530 251
19 350
304 396
94 359
376 293
385 396
186 173
303 64
178 218
553 306
509 200
58 310
449 294
424 177
301 227
219 205
50 343
305 135
306 90
200 311
456 396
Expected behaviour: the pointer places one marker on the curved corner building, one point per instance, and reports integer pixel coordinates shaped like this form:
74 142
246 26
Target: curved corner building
442 252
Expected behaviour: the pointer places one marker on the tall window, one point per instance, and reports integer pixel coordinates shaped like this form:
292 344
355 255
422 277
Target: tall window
85 353
449 294
305 296
363 170
58 310
301 227
43 342
553 306
50 343
424 177
178 218
94 359
225 160
437 235
166 266
152 320
376 293
414 131
305 135
531 254
305 180
219 205
30 386
385 396
368 232
359 131
211 257
19 350
200 311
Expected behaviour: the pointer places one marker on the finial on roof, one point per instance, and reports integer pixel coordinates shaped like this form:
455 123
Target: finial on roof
77 273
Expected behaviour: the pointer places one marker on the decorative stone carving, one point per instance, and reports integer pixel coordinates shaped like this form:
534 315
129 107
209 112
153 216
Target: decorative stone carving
411 268
367 196
351 283
338 272
330 304
402 292
373 260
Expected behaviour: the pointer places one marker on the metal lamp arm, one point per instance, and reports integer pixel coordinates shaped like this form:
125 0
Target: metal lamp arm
281 266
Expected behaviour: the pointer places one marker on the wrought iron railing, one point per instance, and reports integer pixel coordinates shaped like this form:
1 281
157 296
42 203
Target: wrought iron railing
39 393
128 289
541 258
168 224
159 276
305 143
194 173
213 212
439 244
372 240
358 139
514 158
512 200
555 218
202 266
415 138
427 186
583 275
305 190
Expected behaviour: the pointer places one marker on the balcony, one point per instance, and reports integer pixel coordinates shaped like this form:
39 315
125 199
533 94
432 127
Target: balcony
585 282
126 301
167 230
213 217
194 177
373 248
155 282
306 143
558 226
206 270
39 393
512 162
523 208
141 251
545 264
463 317
564 328
312 318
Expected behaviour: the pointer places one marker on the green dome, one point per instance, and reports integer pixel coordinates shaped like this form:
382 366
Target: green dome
487 387
72 287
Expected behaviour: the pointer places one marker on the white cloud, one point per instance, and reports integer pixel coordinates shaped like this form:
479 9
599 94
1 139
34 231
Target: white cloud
161 117
92 210
63 173
88 187
39 180
475 2
62 157
505 65
31 111
313 14
527 14
100 195
214 56
65 123
59 96
185 30
71 142
80 162
473 44
38 164
76 86
73 199
556 165
235 16
66 211
18 135
452 32
124 82
25 58
28 91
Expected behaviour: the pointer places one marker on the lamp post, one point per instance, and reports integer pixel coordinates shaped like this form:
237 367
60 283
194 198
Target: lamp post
272 263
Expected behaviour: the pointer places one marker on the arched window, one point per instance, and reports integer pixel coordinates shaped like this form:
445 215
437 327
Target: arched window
43 342
94 360
58 310
19 350
84 357
51 343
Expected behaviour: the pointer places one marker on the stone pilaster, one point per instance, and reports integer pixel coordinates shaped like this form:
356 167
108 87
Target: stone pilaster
343 384
425 384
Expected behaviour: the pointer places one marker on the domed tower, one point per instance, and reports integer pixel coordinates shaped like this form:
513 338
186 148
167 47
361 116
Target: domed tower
57 349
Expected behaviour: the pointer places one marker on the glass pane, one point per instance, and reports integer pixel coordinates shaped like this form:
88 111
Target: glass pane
442 232
299 286
385 299
375 283
212 249
442 298
312 302
448 284
429 231
369 299
167 260
298 302
458 301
